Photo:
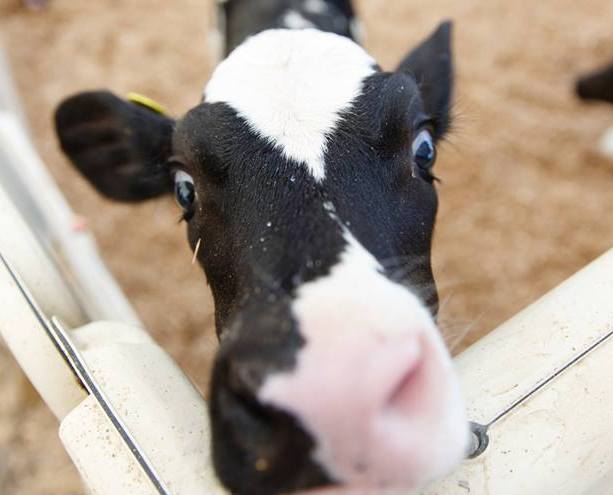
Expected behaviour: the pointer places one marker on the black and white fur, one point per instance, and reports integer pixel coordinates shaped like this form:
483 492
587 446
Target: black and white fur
306 173
239 19
598 86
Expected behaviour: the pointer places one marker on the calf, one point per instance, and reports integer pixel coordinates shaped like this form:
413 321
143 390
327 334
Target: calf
306 173
598 86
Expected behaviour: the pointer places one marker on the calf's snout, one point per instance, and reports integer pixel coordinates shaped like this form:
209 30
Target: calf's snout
370 398
383 408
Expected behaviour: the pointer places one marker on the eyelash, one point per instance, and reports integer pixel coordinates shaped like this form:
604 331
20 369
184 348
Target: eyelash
185 217
433 178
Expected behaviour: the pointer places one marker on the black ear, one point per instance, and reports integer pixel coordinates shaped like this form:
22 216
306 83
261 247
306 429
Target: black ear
431 65
597 86
120 147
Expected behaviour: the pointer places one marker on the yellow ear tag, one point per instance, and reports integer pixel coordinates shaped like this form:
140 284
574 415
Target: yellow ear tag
146 102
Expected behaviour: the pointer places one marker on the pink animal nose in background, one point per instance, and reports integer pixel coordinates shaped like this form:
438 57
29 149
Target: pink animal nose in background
384 408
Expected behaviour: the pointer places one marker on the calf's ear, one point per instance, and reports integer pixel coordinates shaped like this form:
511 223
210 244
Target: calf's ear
431 64
120 147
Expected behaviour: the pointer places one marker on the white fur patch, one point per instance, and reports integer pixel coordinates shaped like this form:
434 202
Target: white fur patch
315 6
295 20
291 86
374 384
356 28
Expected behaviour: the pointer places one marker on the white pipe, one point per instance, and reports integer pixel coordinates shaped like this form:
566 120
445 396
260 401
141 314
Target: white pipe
159 406
19 327
29 185
8 96
34 352
33 191
20 246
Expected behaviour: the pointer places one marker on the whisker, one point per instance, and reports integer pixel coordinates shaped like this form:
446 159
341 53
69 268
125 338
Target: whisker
403 260
196 249
454 333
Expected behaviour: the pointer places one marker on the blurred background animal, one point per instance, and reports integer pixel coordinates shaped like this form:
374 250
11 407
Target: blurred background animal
597 86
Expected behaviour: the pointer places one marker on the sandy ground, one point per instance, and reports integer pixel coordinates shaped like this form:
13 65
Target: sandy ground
525 199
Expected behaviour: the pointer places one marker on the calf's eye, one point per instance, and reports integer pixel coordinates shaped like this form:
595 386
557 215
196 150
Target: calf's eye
424 152
185 193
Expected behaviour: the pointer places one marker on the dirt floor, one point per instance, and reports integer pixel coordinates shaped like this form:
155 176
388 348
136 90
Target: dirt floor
525 200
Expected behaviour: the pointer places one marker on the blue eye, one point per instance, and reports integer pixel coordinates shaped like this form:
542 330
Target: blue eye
424 152
185 193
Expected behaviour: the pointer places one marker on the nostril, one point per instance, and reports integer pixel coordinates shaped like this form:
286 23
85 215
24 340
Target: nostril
406 387
406 390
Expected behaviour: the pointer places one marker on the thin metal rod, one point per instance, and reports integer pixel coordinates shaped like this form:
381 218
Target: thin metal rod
59 337
551 377
38 313
94 388
479 431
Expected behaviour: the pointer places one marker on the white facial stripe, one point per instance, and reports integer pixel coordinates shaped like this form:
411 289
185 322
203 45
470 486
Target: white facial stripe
362 333
291 86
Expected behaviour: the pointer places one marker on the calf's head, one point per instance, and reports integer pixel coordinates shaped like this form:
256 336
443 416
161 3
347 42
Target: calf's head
306 176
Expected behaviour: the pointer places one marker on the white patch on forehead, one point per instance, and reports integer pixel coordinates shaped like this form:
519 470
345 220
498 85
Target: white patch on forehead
291 87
